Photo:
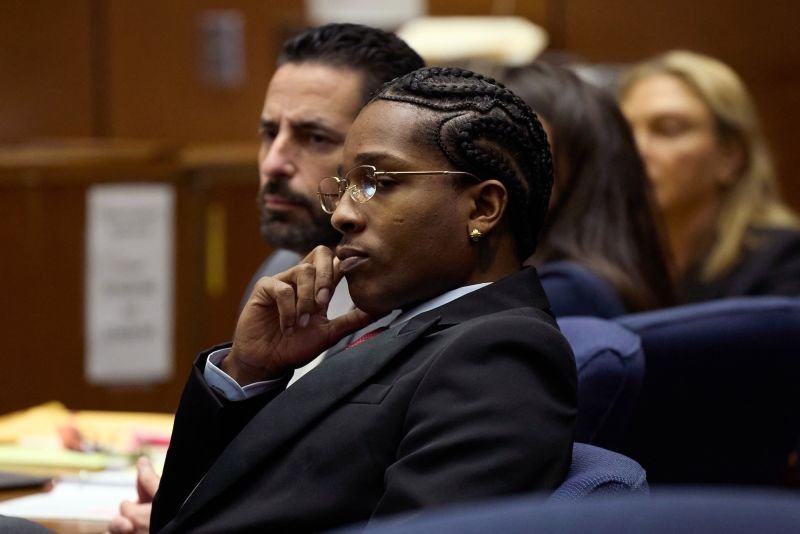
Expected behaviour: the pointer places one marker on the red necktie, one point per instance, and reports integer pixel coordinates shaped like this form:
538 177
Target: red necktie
363 338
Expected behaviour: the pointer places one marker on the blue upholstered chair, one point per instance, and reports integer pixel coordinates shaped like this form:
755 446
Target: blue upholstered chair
595 471
679 511
575 290
610 366
719 402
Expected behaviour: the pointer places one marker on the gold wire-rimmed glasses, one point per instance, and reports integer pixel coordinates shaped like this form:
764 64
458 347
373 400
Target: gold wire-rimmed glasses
362 183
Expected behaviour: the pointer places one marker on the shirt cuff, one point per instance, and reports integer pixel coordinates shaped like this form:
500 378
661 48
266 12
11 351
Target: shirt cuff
229 388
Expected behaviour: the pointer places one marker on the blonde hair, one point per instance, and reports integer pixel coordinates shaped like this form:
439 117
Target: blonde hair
754 197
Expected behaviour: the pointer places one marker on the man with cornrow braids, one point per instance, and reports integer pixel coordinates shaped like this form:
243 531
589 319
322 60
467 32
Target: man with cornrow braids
470 393
324 76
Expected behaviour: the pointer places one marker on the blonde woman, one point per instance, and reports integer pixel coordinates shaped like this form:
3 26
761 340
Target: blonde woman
697 129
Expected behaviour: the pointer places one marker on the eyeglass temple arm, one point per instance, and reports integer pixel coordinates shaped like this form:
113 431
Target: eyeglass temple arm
390 173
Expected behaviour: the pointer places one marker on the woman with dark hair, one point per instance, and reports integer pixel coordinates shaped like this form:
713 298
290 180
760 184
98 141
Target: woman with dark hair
469 393
601 215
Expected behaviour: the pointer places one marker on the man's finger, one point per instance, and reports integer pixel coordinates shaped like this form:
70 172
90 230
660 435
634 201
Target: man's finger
285 299
305 287
121 525
147 479
323 260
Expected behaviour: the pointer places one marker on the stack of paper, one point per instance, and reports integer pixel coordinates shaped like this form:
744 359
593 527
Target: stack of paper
93 497
94 472
38 436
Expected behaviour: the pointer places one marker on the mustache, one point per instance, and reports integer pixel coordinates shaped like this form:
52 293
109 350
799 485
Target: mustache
281 188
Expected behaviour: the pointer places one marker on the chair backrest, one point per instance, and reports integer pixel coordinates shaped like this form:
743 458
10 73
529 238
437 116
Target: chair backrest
682 510
575 290
595 471
610 366
719 402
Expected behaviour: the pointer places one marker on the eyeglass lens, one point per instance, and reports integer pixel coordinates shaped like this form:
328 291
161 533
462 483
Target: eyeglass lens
360 181
330 191
363 182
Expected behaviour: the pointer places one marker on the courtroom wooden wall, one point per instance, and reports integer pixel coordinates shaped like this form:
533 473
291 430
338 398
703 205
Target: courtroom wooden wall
154 84
758 39
46 70
42 201
128 68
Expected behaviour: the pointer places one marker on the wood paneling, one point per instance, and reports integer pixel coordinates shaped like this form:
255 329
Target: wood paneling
43 239
45 68
42 231
155 85
737 31
759 40
225 184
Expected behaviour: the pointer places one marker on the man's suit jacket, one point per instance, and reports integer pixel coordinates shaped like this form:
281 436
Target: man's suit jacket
473 399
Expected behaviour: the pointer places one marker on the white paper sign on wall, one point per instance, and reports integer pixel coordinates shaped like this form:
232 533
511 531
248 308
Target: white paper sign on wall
378 13
129 283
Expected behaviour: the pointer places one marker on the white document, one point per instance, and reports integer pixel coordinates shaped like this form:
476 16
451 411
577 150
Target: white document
129 283
92 499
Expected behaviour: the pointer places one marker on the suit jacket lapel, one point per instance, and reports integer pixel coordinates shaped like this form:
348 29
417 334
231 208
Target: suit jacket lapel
285 418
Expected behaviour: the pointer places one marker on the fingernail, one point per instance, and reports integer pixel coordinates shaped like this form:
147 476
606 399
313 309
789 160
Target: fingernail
303 321
323 295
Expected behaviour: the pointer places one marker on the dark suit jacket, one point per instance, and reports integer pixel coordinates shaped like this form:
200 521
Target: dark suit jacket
769 265
472 399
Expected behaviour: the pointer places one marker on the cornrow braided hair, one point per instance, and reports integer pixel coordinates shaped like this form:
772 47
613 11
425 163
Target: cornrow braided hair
489 131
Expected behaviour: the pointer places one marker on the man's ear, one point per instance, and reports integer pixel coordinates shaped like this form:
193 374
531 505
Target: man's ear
490 199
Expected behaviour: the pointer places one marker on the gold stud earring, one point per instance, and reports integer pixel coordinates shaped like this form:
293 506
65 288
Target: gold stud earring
475 235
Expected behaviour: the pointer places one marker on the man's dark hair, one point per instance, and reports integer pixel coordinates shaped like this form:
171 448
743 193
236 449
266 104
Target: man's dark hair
380 56
485 129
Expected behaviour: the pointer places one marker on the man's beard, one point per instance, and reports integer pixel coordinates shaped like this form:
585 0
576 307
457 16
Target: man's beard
282 230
